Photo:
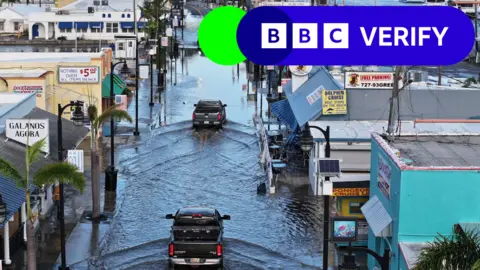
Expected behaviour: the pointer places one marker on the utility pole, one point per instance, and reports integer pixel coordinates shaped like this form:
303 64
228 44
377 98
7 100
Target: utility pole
439 75
394 100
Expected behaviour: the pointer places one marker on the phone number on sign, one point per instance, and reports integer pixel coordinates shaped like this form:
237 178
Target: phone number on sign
377 84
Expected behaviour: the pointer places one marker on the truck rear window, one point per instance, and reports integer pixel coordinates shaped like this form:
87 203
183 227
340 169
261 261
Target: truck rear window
189 221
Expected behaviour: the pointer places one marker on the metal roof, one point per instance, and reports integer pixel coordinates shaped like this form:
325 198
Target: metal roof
302 109
411 252
12 195
72 135
361 130
24 73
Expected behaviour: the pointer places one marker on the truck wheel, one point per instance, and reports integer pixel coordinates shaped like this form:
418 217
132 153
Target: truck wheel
194 126
171 266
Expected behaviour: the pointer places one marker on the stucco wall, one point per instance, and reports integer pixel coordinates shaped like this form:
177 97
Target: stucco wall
433 201
391 205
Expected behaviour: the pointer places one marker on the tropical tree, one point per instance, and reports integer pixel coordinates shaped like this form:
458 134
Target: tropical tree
61 172
96 121
457 252
154 11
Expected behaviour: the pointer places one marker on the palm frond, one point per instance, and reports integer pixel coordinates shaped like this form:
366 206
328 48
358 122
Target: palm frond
9 171
34 151
459 251
63 172
120 115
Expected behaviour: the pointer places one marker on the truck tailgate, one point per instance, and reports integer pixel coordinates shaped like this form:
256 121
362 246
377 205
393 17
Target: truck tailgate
195 249
188 233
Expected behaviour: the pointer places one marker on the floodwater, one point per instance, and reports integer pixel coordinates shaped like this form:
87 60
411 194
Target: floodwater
176 166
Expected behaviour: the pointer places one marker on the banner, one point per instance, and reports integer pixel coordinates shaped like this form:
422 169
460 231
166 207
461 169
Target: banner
334 102
383 176
78 75
369 80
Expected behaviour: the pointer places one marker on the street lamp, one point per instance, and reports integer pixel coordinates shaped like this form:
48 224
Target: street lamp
110 171
3 210
78 120
306 143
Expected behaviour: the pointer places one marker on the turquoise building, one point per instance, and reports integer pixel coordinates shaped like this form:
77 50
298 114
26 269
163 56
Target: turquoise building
427 184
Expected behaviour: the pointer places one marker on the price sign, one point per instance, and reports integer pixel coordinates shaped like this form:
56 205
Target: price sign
78 75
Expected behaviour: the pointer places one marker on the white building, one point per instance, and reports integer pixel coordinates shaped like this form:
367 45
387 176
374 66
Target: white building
13 17
96 25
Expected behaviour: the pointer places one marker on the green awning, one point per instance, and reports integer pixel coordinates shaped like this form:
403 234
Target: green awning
119 86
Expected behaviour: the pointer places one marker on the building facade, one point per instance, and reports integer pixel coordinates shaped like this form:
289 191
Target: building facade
58 78
11 21
72 25
425 185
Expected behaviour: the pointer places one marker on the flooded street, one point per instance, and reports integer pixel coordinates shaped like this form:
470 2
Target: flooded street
176 166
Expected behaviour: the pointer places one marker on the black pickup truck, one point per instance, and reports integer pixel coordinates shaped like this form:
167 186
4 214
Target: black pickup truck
196 237
209 113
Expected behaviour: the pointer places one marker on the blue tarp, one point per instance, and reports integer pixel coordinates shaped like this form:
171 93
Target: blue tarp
127 24
81 25
96 24
306 101
13 196
282 110
65 25
141 24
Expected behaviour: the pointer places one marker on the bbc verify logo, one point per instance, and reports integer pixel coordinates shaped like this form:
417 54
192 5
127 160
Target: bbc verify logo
336 36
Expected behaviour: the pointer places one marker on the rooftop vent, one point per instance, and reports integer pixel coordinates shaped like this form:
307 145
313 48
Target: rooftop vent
104 2
96 2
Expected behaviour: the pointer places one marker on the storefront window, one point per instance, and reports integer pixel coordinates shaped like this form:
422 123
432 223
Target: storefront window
355 207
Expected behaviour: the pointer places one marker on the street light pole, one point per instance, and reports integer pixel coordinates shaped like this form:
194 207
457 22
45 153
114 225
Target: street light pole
307 144
110 171
135 132
77 119
151 80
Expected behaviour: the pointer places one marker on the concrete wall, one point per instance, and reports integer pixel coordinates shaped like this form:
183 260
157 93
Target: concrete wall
23 107
392 205
414 104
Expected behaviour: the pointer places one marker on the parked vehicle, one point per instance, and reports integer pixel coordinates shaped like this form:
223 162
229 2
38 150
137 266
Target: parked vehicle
209 113
196 237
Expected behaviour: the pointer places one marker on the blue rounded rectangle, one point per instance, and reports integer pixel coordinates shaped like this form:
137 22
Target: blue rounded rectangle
356 35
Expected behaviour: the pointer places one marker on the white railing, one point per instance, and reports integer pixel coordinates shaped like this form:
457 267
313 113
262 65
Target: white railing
266 159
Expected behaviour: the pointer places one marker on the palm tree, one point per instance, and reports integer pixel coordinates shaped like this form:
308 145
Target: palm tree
96 121
459 251
50 174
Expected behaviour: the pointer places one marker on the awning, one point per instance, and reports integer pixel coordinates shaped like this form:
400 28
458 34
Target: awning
306 101
13 196
81 25
119 86
283 111
65 25
127 25
96 24
410 252
141 24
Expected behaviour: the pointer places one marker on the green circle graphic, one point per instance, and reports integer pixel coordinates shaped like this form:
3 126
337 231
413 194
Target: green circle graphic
217 35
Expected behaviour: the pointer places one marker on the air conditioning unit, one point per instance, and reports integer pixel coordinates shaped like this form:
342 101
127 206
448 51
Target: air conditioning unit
91 10
96 2
418 76
104 2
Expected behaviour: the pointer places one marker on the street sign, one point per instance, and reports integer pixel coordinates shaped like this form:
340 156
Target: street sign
169 32
270 67
144 70
164 41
